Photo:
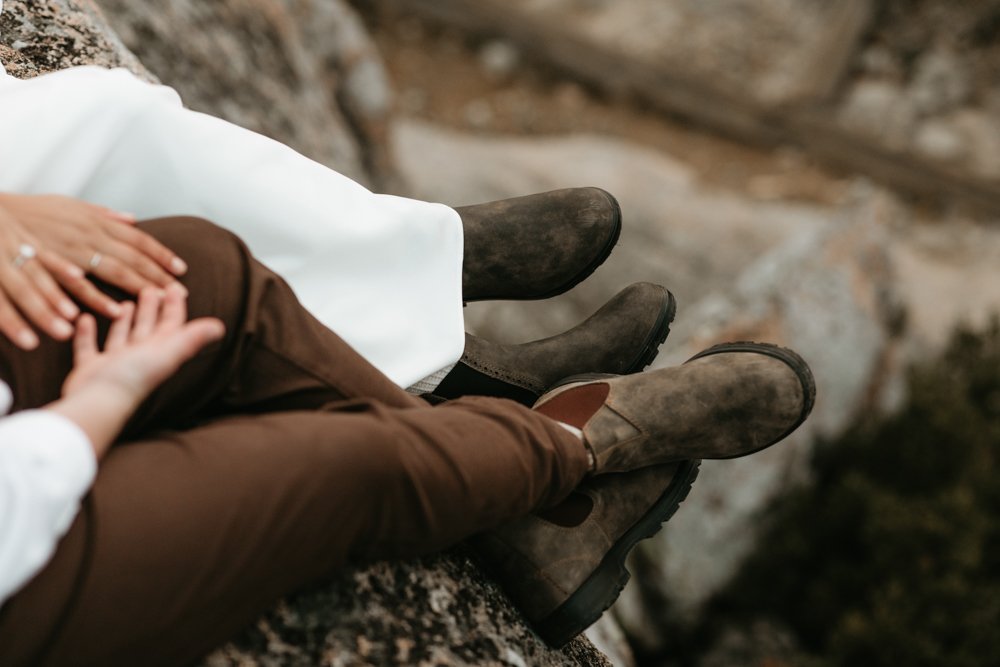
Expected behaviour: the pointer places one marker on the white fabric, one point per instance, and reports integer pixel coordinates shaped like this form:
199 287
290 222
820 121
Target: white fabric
46 467
383 272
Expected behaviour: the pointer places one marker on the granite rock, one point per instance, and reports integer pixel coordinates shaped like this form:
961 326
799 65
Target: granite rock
304 72
40 36
437 611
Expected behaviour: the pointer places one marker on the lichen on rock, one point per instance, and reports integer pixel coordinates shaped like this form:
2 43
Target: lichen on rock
47 35
435 611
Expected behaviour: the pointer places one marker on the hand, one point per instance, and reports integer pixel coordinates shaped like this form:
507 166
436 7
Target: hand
145 345
71 237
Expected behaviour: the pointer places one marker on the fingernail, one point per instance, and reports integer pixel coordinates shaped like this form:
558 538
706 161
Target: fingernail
28 340
63 328
180 289
69 310
126 216
114 310
75 271
178 266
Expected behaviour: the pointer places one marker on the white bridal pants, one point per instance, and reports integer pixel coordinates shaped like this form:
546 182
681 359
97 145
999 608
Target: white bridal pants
383 272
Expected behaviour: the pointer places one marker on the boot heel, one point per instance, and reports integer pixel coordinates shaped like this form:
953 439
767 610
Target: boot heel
600 590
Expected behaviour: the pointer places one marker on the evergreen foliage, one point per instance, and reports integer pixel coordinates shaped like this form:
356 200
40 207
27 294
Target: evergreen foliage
892 557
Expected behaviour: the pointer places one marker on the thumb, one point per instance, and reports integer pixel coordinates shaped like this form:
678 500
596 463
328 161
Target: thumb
187 341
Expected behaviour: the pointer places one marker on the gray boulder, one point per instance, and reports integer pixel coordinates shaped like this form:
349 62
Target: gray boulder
44 36
305 73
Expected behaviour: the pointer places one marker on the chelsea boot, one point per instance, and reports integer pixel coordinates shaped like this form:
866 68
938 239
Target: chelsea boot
564 566
537 246
730 400
622 337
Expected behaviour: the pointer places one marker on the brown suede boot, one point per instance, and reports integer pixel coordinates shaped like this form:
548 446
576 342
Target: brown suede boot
564 566
622 337
730 400
537 246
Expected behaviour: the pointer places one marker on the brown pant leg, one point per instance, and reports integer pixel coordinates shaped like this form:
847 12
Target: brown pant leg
188 536
275 354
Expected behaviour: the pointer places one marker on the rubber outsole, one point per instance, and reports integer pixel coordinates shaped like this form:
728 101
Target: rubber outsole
600 590
579 277
658 334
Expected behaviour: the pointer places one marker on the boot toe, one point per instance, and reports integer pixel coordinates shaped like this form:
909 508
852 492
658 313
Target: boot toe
537 246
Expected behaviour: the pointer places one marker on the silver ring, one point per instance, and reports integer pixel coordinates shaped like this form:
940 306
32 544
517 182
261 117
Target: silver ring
95 260
24 253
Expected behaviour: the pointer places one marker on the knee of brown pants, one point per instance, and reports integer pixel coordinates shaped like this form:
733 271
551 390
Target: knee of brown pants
220 268
218 262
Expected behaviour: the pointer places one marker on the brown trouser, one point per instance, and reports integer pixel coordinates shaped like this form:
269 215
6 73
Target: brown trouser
272 458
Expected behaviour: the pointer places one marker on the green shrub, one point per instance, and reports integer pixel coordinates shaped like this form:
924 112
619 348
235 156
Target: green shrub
892 557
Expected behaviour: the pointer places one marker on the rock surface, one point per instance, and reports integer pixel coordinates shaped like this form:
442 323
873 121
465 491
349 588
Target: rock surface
440 611
303 72
841 79
42 36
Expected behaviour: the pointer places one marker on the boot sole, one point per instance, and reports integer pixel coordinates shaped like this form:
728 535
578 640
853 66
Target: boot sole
579 277
659 333
600 590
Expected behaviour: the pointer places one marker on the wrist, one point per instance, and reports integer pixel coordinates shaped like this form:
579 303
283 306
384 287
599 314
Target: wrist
118 396
100 409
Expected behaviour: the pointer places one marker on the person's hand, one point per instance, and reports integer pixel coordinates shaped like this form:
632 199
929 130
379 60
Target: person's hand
68 238
29 285
145 345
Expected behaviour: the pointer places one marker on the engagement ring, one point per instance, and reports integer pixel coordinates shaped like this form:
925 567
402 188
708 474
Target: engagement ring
25 252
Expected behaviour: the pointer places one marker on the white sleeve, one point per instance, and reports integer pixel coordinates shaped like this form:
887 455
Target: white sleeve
46 466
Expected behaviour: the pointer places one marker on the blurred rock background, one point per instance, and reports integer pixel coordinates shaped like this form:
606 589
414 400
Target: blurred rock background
821 175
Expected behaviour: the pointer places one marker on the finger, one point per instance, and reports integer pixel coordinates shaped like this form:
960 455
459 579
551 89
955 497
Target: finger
38 273
114 272
85 340
174 311
138 262
121 326
13 326
149 246
184 343
74 280
35 307
147 314
120 216
91 297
